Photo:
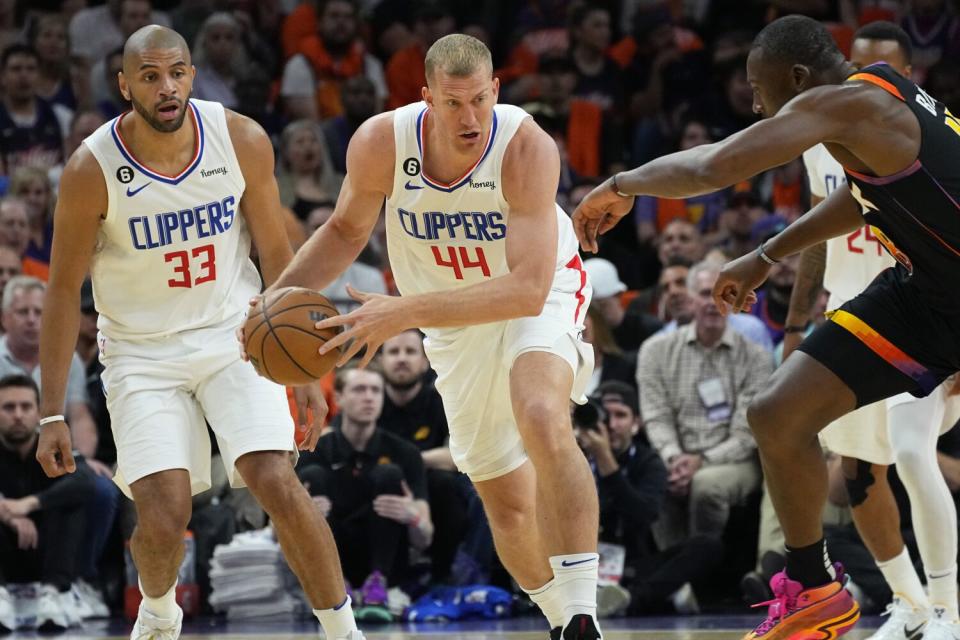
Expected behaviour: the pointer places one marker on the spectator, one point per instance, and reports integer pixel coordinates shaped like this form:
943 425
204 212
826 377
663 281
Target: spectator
773 298
40 516
305 172
406 72
84 123
413 410
680 239
695 385
31 131
734 110
134 14
735 234
47 34
632 484
110 102
220 59
943 81
934 29
312 78
629 330
599 79
359 97
255 100
15 225
95 31
32 185
677 306
609 361
10 266
371 487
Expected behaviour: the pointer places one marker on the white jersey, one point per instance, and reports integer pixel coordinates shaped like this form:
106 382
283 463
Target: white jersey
441 236
173 252
854 260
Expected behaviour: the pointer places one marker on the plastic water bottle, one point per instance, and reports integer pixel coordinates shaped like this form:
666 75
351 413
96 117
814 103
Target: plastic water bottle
188 568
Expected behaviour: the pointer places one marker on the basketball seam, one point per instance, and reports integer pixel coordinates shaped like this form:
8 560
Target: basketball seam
296 306
266 315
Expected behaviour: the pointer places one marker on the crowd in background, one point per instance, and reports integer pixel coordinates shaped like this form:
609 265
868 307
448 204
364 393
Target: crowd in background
616 83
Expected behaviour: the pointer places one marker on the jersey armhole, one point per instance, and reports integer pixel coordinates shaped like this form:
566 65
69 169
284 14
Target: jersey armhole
108 214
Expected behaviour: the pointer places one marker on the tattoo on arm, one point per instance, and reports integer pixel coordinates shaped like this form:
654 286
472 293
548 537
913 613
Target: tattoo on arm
807 285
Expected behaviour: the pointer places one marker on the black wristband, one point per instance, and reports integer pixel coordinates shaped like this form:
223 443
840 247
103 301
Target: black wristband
794 328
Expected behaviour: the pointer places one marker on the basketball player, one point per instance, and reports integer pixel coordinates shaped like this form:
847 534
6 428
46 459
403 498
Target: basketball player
900 150
488 268
874 436
161 204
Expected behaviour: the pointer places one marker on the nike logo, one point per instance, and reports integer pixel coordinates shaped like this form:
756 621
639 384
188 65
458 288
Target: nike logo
930 576
913 634
131 193
411 187
570 564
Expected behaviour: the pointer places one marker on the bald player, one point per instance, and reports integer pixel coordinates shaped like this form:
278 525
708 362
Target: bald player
161 205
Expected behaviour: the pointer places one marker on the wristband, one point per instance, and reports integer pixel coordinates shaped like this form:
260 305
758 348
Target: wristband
794 328
763 254
616 189
52 419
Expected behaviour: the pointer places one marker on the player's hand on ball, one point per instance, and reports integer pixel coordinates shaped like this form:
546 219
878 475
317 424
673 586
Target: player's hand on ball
597 213
309 398
255 302
378 318
54 451
737 281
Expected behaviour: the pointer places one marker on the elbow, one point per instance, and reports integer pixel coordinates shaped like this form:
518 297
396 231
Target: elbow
532 295
712 174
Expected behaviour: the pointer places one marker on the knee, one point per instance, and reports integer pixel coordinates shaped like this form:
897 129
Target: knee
271 480
509 515
914 460
387 479
766 419
163 521
545 428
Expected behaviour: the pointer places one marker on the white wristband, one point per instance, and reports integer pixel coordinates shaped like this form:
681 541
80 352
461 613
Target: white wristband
50 419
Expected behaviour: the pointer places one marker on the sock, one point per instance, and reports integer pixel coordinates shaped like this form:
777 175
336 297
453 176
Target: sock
575 583
550 605
942 586
337 622
165 606
904 581
810 565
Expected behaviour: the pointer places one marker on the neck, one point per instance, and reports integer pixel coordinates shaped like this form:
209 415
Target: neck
587 55
24 354
23 449
150 144
21 106
401 397
709 336
358 434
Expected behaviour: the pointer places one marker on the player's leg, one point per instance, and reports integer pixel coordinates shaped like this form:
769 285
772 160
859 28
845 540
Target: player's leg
914 426
567 507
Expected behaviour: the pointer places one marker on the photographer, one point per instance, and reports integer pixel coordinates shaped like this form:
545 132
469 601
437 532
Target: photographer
632 482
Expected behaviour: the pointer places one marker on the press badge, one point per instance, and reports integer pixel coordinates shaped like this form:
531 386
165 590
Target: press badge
714 400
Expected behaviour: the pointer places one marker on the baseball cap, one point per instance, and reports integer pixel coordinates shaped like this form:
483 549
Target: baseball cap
604 278
618 391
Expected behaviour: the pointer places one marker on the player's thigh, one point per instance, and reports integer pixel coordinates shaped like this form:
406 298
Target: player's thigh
246 412
157 424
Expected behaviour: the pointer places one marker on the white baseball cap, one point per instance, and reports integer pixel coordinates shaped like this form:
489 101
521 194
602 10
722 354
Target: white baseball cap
604 278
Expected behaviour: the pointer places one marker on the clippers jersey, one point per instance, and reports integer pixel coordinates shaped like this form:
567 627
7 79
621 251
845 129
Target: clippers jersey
915 210
442 236
853 260
173 252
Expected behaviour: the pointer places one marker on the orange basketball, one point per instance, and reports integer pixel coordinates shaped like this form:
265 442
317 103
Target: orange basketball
281 340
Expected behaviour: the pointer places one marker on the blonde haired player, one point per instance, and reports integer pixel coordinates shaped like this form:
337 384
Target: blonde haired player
487 266
161 204
883 433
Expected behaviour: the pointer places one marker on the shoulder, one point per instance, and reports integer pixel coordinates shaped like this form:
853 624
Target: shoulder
83 177
246 134
529 142
371 153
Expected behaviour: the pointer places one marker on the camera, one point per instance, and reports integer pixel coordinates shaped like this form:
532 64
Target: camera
589 415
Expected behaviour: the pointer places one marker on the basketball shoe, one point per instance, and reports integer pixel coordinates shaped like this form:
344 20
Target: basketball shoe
580 627
940 628
150 627
8 615
51 614
819 613
904 623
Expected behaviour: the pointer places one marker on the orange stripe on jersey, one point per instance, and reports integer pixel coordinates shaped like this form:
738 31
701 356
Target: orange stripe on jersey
880 82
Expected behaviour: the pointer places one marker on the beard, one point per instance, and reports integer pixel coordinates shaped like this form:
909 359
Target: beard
162 126
403 382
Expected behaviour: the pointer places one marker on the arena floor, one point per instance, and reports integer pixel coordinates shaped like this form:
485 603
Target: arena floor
675 628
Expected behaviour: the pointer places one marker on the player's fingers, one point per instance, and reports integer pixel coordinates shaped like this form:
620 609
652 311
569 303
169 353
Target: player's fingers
359 296
313 438
336 341
369 354
334 321
350 352
66 456
741 300
606 223
300 398
48 462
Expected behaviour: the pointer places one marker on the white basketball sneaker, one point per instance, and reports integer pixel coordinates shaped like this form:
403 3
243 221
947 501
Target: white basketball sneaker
940 628
904 623
356 634
8 615
150 627
50 609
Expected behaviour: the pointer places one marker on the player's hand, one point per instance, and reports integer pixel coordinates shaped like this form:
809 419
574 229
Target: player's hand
377 319
737 281
397 508
597 213
99 468
54 451
241 338
310 399
27 535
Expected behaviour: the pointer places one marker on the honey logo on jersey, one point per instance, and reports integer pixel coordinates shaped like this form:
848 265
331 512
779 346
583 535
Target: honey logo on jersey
219 171
484 184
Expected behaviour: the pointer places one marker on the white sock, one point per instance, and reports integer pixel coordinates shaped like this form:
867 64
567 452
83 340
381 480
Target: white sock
337 622
575 583
546 598
942 586
904 581
165 606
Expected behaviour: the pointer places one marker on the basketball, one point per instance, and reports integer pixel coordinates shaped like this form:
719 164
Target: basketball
281 340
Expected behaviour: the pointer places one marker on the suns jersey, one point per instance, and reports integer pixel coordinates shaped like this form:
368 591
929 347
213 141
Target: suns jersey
916 210
442 236
855 259
173 252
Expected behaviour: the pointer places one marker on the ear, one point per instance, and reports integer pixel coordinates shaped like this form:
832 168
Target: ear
908 72
800 74
427 97
496 88
124 89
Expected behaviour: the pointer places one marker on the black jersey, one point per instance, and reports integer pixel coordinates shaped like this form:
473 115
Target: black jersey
915 211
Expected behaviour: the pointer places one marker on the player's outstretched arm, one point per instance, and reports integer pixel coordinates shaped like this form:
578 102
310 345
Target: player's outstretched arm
336 244
81 204
260 204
